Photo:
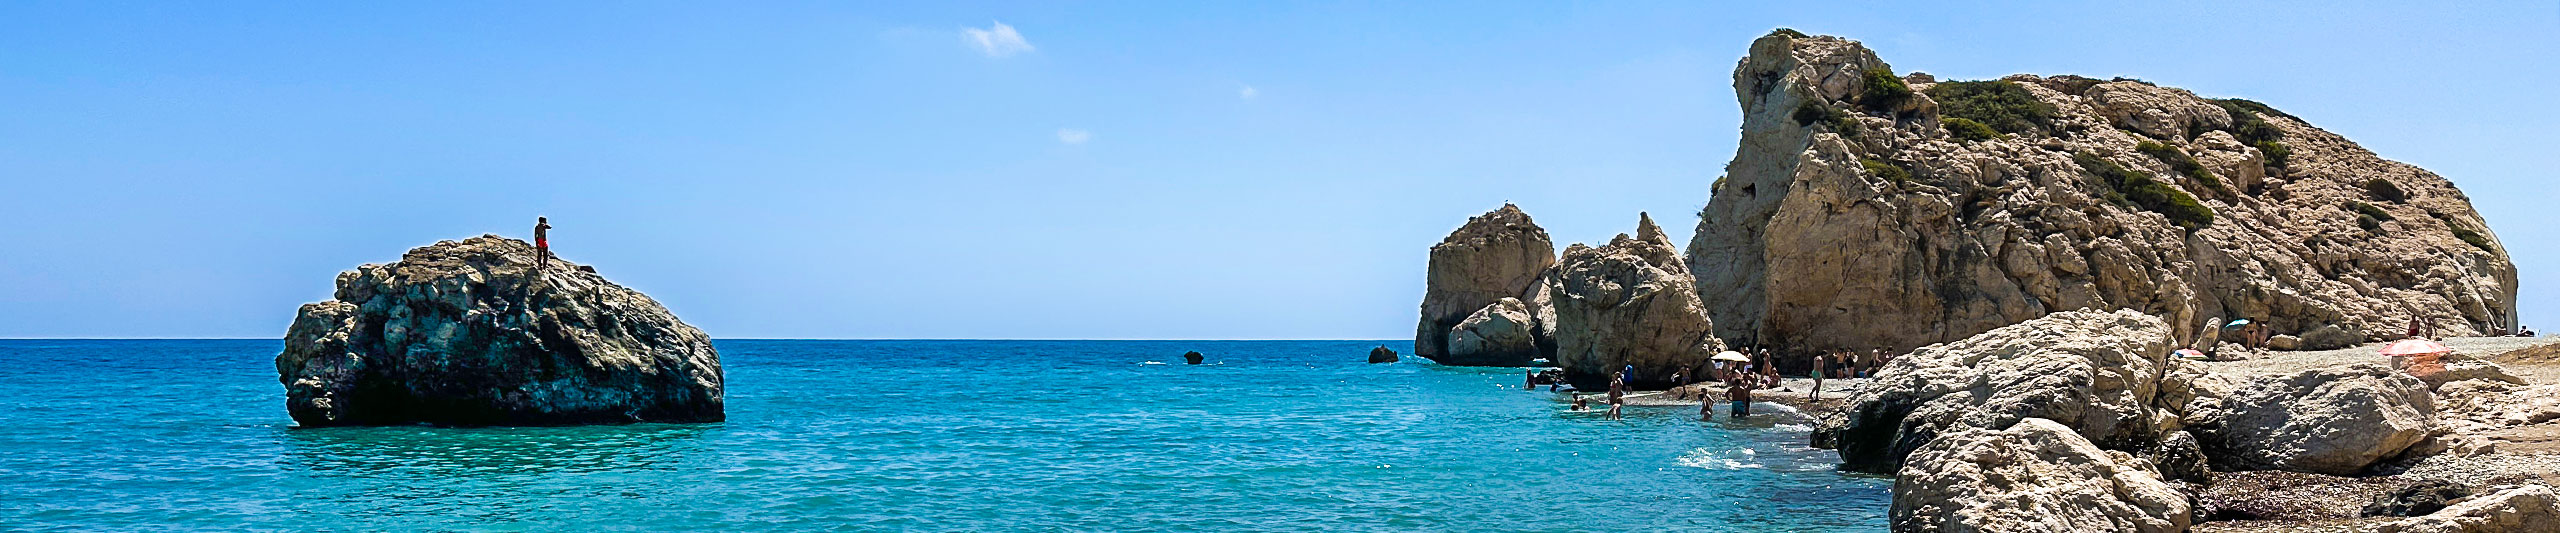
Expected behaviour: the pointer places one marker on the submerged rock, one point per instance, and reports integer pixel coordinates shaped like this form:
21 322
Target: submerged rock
1629 303
1853 216
2036 476
2336 420
463 333
1500 254
1381 355
2106 375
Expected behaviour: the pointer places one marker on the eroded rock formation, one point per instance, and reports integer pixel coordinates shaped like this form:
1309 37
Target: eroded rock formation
1500 254
2106 375
464 333
1864 209
1629 302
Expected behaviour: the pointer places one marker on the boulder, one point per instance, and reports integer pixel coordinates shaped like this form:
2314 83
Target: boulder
2463 369
1629 303
1501 331
2036 476
1500 254
1192 358
1381 355
2284 342
2180 458
2416 499
2107 375
466 333
2336 420
2522 509
2330 337
1882 229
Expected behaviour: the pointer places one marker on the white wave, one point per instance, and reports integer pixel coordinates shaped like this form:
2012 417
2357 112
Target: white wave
1732 459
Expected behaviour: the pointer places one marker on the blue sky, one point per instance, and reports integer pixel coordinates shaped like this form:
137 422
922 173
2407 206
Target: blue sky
1103 170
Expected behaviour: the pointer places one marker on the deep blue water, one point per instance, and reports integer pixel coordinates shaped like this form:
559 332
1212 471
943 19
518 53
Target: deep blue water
912 435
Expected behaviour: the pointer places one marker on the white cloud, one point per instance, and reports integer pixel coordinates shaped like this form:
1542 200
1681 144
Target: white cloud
1249 92
996 41
1074 136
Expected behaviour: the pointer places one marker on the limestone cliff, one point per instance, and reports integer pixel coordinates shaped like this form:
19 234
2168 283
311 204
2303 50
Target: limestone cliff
1500 254
1629 303
464 333
1865 209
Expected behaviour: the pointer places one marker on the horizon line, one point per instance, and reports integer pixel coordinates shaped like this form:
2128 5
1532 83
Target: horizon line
719 339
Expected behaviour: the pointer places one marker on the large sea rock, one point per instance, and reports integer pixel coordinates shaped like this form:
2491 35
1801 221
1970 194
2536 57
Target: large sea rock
2106 375
1854 218
2519 509
464 333
1629 302
2333 420
1500 254
2036 476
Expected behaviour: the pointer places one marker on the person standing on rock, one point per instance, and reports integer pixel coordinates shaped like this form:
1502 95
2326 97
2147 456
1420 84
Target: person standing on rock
541 244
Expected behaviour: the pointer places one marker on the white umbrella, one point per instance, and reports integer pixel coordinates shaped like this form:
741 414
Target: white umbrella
1734 356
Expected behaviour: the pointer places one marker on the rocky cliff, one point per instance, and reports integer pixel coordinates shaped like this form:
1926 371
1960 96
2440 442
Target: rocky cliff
464 333
1868 209
1628 303
1500 254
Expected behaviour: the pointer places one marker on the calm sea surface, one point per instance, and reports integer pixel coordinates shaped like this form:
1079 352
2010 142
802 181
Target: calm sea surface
912 435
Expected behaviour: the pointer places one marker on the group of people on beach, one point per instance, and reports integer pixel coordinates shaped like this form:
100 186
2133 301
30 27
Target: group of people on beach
1757 370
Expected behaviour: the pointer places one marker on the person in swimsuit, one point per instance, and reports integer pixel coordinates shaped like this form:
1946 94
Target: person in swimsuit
541 244
1821 364
1533 379
1740 394
1580 404
1617 397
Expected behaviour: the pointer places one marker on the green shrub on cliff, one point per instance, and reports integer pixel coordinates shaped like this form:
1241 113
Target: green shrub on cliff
2367 216
1968 130
1884 91
1889 171
2178 160
2254 130
2464 232
2368 210
2139 189
2278 155
1816 112
2002 105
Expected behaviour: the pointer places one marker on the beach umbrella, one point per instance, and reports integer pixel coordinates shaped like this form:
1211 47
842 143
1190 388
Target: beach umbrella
1734 356
2236 323
2409 347
2190 353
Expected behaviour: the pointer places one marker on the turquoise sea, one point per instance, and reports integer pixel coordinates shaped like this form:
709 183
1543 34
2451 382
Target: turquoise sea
912 435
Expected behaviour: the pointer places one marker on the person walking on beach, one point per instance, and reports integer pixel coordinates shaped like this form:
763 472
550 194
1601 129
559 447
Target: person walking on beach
541 244
1821 365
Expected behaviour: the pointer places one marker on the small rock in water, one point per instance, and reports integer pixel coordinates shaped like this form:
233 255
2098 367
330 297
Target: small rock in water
1381 355
1192 358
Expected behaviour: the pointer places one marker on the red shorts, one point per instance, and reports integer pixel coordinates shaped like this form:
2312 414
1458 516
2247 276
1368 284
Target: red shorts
542 243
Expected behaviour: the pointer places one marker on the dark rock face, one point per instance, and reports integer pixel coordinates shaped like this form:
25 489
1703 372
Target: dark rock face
1381 355
1192 358
2416 499
462 333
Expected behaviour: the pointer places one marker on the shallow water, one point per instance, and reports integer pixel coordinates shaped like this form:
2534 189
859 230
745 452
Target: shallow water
913 435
